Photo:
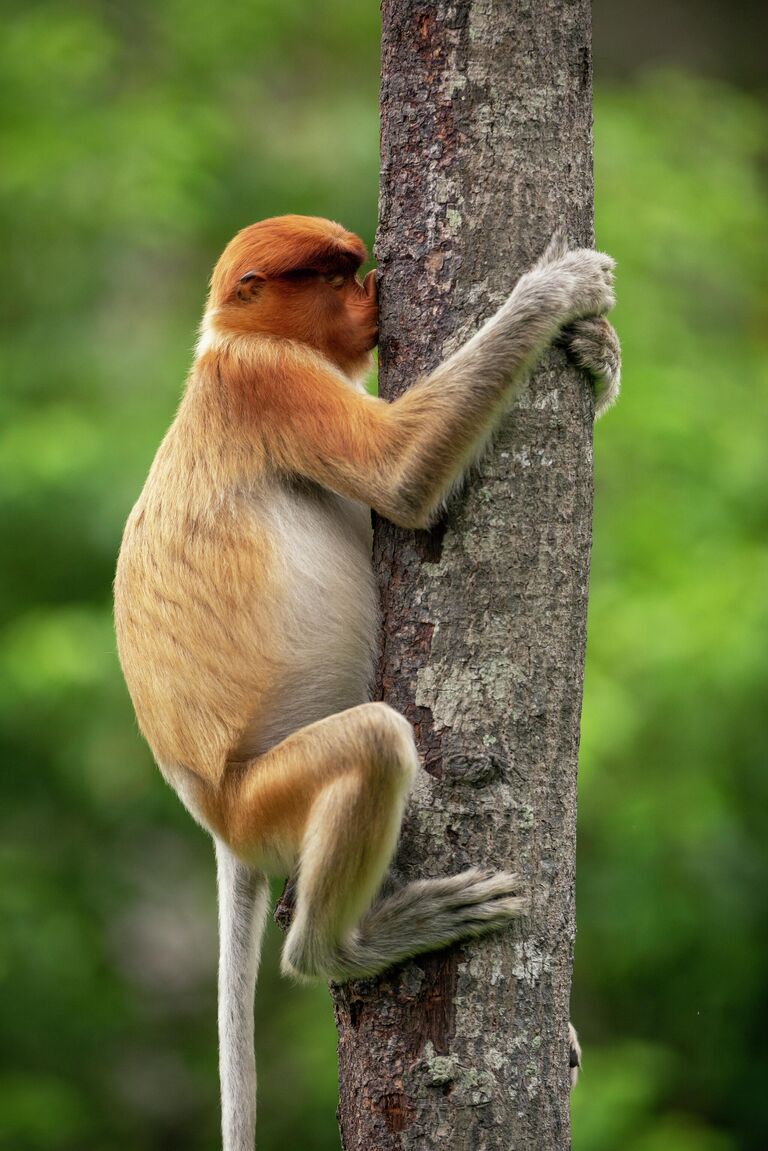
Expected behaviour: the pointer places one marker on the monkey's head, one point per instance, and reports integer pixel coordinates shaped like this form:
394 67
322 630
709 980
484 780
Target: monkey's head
296 277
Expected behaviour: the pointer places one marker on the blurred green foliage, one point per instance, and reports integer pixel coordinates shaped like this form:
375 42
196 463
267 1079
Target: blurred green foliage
135 140
671 974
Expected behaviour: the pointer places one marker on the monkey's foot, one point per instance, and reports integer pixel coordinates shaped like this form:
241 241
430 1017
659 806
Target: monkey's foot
427 915
592 344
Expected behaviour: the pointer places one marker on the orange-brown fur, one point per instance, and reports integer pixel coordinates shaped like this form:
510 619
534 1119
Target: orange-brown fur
199 584
245 605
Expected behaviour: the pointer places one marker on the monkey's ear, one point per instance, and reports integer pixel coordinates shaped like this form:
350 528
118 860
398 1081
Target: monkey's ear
249 286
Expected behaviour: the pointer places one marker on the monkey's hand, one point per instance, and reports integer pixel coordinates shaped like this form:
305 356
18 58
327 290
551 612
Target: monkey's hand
585 277
592 344
577 281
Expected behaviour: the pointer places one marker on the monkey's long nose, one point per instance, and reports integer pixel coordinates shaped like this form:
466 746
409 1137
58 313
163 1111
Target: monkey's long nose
369 284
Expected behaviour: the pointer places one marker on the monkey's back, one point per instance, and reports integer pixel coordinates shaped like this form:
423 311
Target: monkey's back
239 616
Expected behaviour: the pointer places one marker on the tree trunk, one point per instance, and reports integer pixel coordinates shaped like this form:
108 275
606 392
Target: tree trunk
486 148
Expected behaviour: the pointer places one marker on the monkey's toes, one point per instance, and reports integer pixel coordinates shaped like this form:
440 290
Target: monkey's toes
478 884
495 913
491 895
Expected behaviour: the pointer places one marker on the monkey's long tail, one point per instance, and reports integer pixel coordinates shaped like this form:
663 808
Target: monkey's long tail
243 902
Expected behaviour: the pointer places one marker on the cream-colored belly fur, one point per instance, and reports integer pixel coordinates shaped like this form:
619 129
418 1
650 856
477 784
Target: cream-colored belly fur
325 620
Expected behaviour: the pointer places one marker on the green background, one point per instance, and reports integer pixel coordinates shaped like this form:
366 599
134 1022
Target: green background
135 139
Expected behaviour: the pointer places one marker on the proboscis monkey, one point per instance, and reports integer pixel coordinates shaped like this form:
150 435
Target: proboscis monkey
245 604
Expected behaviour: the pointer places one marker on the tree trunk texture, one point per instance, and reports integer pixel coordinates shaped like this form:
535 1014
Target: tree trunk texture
486 148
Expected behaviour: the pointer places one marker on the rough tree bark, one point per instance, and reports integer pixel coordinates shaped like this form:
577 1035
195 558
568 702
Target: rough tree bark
486 147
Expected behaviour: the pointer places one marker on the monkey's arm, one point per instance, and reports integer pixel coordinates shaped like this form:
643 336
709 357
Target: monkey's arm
403 458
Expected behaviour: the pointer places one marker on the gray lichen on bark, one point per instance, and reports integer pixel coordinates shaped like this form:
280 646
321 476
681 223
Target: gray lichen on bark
486 148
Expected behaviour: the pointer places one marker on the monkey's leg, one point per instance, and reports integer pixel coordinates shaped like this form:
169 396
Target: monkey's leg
329 798
333 795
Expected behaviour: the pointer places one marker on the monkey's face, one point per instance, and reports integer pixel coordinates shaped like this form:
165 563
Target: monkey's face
297 277
352 312
330 309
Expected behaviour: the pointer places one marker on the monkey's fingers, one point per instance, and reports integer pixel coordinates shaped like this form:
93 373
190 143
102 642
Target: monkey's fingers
557 247
592 344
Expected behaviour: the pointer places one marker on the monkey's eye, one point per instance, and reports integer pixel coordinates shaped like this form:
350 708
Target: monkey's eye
296 275
337 280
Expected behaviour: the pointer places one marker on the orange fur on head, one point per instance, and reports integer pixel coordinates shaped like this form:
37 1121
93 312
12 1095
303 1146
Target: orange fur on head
295 277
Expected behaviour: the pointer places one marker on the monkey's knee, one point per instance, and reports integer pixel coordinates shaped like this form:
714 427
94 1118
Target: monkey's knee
392 743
